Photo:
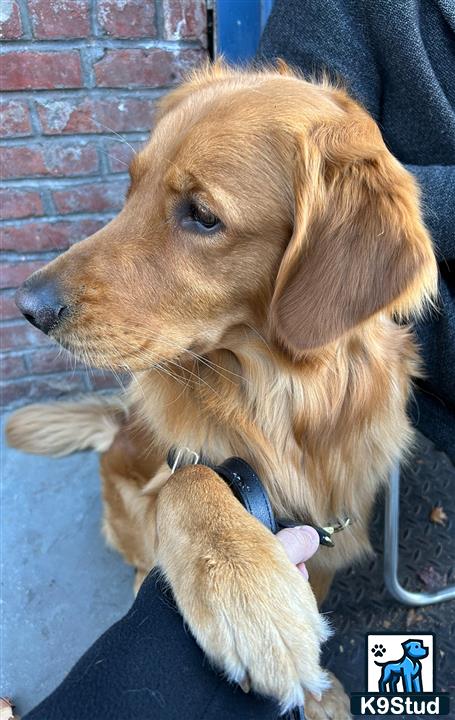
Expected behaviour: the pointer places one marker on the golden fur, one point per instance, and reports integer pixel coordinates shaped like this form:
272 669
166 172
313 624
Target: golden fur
273 339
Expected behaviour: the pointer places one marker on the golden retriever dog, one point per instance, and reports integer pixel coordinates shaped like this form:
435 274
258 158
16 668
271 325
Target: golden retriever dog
251 284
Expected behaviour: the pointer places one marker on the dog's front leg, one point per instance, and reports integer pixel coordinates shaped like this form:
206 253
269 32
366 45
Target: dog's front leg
248 607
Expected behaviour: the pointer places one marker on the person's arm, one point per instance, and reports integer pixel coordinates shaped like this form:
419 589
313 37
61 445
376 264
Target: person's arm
325 36
147 665
336 36
437 183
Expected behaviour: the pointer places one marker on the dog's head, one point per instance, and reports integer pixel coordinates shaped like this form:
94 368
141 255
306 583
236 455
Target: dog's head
261 200
415 649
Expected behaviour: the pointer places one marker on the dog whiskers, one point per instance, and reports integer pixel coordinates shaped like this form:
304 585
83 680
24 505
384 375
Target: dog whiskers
222 371
114 132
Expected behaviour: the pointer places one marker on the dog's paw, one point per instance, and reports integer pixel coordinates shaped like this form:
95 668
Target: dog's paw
333 705
260 624
268 637
247 605
378 650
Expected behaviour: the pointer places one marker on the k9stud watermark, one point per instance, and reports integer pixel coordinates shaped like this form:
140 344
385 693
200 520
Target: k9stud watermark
400 677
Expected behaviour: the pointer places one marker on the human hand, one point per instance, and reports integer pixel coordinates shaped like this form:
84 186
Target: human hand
300 543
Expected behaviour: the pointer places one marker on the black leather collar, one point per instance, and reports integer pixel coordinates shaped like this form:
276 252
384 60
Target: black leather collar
249 490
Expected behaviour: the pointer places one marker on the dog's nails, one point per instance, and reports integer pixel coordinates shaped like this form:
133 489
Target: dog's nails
245 683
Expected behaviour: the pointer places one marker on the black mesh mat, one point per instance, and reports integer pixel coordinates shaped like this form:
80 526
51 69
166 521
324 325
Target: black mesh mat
359 603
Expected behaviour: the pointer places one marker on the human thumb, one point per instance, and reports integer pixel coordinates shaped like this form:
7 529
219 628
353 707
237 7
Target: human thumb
300 543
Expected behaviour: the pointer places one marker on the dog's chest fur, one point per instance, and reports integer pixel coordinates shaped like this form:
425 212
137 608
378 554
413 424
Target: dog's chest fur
322 433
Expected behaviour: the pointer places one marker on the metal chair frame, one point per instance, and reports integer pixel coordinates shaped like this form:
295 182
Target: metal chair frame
391 553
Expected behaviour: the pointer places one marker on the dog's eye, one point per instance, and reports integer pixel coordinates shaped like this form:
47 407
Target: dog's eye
200 219
203 216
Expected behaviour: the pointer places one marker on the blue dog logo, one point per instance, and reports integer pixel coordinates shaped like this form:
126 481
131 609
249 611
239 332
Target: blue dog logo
408 668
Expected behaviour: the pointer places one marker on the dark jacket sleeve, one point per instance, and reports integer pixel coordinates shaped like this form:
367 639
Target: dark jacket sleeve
318 36
437 183
148 667
337 37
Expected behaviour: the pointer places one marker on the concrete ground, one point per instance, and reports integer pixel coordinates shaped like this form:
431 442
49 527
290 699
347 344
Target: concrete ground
61 586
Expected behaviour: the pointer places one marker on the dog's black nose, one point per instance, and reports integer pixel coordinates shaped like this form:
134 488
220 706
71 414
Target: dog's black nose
39 302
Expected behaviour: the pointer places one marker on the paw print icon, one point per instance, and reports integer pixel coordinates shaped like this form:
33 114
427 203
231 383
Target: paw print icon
378 650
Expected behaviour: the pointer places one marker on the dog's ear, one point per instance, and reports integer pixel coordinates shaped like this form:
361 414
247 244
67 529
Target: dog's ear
358 245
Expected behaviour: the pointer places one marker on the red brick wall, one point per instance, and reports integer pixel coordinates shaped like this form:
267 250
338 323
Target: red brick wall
74 73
